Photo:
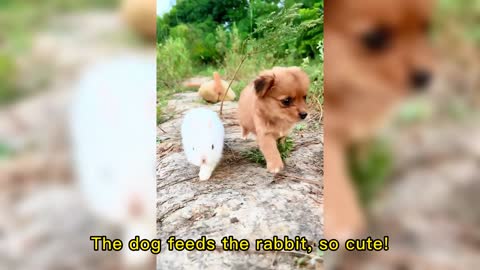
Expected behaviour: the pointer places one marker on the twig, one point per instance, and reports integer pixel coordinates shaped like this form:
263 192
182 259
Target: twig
244 58
321 111
313 256
282 13
313 182
231 82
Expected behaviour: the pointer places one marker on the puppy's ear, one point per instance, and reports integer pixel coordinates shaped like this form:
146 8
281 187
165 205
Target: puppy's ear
263 84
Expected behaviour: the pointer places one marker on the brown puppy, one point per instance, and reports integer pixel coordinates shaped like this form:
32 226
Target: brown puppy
375 52
270 106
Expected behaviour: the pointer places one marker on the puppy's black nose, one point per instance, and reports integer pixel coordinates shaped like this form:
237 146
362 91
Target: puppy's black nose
420 79
303 115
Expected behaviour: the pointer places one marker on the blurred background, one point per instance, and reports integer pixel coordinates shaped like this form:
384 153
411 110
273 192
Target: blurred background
420 178
75 77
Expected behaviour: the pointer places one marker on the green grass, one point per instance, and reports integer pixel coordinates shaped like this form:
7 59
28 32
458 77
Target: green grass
174 64
285 147
8 89
300 127
5 151
314 69
463 15
370 166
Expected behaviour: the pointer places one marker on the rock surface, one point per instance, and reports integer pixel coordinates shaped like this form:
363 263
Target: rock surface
241 199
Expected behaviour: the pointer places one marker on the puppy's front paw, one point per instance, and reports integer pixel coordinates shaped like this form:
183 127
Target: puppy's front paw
244 134
275 167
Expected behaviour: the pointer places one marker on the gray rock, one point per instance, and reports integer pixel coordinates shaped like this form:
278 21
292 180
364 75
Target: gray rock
241 199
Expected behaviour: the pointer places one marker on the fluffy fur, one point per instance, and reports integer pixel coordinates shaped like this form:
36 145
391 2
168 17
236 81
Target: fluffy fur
112 124
270 106
140 16
213 90
375 52
202 138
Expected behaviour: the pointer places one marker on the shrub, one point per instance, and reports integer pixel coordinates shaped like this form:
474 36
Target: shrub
173 63
312 33
314 69
8 89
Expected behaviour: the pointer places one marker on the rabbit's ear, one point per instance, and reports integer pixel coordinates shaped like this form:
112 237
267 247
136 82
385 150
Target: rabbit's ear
209 124
263 84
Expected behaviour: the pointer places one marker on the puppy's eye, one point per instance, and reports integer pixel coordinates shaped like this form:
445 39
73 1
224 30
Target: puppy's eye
427 27
213 147
378 39
287 101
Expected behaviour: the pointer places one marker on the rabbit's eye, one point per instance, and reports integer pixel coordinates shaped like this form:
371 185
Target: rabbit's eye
193 148
213 147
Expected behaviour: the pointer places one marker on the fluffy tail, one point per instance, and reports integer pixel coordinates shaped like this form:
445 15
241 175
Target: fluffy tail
218 83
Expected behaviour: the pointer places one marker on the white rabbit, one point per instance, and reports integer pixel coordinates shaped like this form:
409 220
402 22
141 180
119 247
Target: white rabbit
202 139
113 133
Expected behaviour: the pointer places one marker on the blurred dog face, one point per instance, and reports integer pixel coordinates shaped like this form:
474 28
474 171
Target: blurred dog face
282 93
377 51
383 40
